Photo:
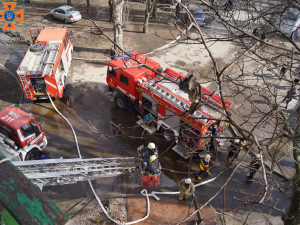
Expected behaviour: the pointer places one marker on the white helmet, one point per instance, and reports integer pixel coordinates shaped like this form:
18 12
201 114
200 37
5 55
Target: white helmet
236 140
207 157
188 181
151 145
258 156
152 158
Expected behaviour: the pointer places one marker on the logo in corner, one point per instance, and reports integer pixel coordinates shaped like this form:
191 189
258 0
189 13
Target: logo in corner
10 15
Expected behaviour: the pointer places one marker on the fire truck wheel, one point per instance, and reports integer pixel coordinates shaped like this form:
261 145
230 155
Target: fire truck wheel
34 154
166 133
120 101
37 47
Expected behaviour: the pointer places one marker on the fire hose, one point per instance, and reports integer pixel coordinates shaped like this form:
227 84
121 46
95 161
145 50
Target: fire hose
143 192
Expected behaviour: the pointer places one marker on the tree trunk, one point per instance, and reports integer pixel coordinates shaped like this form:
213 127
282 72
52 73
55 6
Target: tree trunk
145 28
111 10
148 10
292 217
69 2
154 13
88 6
118 29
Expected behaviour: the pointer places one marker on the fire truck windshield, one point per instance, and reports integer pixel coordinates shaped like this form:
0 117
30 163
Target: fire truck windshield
30 128
27 130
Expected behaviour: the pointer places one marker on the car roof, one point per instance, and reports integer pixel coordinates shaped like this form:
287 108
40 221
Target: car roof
19 117
65 7
198 10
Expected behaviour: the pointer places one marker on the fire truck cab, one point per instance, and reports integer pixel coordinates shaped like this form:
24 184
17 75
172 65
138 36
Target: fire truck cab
46 63
162 105
21 137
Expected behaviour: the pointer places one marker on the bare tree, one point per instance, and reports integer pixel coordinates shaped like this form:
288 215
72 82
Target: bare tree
118 26
154 11
111 10
69 2
88 6
148 10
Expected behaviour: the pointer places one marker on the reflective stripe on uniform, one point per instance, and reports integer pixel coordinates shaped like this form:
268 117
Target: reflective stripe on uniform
185 192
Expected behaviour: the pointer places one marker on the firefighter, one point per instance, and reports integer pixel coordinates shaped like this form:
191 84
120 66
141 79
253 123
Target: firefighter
214 133
204 163
153 168
178 7
254 166
186 188
234 150
146 152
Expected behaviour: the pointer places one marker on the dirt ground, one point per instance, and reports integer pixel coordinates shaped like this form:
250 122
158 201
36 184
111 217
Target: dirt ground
87 42
88 211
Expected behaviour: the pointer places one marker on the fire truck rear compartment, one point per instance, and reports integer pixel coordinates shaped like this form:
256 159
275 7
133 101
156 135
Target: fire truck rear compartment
38 85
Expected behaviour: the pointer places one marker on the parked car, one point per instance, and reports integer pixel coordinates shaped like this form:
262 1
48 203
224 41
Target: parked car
198 15
66 13
290 25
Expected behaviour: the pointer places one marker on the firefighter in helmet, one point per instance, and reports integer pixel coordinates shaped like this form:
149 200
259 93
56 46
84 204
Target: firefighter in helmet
146 152
234 150
204 164
153 168
186 188
254 167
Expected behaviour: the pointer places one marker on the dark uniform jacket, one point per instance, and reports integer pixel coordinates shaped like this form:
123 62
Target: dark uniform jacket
235 147
255 164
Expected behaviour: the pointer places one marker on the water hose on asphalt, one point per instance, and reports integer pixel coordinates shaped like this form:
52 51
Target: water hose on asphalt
73 131
96 196
154 193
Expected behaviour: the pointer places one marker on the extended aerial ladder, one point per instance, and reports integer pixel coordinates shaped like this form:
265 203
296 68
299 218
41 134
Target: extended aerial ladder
68 171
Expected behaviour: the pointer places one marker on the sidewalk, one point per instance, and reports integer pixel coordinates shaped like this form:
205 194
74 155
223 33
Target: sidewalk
166 211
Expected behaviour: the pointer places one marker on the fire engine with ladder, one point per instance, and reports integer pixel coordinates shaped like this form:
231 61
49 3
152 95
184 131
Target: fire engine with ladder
161 104
46 63
22 138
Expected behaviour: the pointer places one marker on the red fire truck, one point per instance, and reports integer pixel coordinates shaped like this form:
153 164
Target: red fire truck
21 137
156 97
46 63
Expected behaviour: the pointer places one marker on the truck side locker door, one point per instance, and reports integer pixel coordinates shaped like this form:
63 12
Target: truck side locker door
161 112
111 76
172 120
124 85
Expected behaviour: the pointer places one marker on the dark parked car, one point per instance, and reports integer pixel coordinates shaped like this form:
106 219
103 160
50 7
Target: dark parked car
199 16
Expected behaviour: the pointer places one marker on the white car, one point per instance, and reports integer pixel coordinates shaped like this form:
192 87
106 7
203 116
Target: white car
291 24
66 13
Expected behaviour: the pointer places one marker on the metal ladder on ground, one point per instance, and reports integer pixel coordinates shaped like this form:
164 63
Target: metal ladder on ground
53 50
25 85
68 171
